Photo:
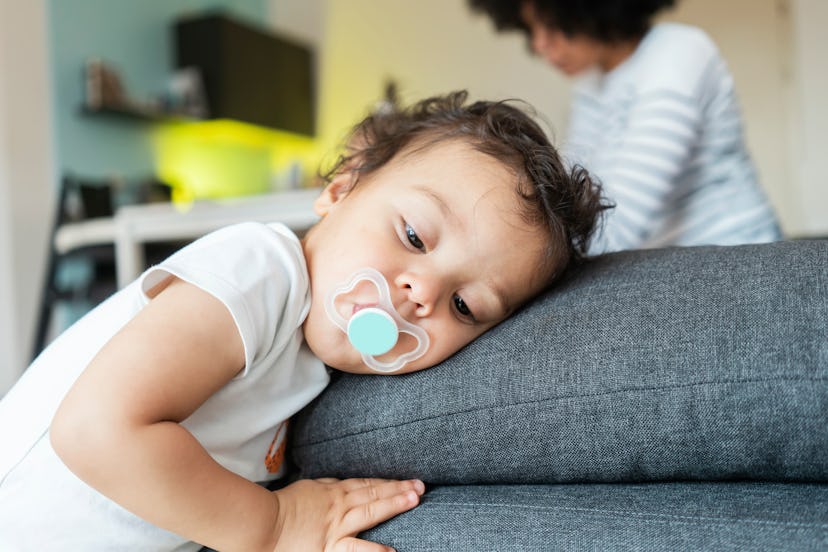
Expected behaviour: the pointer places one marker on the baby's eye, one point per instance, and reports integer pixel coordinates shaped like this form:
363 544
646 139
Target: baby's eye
413 238
461 306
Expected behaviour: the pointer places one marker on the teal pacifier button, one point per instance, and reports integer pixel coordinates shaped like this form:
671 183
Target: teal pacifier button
372 331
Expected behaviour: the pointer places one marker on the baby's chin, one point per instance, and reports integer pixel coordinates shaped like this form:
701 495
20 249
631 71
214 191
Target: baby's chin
343 363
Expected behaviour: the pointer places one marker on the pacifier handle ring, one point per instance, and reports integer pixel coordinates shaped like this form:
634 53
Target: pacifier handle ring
403 359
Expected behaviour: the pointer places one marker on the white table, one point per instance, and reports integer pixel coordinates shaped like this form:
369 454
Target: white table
134 225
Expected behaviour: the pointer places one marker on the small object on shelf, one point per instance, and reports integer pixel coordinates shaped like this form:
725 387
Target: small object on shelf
185 93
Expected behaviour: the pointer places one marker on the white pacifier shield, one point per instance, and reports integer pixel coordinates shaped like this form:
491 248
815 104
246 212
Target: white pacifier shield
372 331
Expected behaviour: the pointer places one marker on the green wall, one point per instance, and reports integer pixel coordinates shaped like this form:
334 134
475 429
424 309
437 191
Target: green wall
135 37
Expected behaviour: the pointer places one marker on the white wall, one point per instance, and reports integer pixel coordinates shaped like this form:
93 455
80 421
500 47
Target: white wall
809 121
7 325
304 20
26 169
762 73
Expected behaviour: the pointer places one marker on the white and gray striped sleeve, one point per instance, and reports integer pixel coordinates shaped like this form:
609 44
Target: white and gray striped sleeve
640 165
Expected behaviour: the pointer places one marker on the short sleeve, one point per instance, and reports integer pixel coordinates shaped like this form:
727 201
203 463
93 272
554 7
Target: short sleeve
257 271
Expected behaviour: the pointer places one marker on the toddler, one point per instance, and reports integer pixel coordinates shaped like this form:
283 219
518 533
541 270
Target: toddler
154 421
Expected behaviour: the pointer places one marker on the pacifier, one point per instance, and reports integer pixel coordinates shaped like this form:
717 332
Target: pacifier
362 308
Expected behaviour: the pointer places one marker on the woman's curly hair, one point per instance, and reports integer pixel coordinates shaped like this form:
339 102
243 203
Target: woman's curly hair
565 202
604 20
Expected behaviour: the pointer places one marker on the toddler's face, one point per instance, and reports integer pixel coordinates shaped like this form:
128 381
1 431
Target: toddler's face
443 226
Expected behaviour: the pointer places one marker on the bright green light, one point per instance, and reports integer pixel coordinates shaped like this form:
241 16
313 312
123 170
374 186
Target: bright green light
225 158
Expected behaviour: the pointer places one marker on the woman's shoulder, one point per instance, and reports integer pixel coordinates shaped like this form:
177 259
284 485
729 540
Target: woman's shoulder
673 56
678 36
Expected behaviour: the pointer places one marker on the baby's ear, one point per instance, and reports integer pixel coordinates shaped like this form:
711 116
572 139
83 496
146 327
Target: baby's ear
334 192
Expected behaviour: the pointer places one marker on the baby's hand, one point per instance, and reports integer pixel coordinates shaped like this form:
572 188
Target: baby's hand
327 514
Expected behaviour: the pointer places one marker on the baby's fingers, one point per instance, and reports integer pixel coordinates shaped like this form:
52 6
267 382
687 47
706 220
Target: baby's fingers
351 544
368 490
364 516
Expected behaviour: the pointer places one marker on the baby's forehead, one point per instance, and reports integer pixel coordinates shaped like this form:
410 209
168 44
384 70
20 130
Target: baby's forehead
467 182
464 155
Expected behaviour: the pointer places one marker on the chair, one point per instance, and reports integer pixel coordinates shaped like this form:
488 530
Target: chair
78 200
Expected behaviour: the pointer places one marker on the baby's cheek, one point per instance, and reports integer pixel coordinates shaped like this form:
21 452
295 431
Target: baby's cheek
447 343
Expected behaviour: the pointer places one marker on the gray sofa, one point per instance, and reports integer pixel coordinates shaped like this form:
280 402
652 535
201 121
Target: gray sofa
672 399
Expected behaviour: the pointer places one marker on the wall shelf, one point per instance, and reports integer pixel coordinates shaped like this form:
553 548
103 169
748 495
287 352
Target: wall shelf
137 113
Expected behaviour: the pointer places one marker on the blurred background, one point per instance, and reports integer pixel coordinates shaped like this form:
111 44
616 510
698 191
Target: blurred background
97 96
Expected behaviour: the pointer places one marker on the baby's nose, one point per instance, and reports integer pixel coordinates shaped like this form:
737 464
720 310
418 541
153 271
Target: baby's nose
420 293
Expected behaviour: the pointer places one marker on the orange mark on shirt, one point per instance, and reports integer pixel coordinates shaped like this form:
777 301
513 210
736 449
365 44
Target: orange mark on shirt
276 453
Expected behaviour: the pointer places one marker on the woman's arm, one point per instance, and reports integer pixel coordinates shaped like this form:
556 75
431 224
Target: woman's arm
118 428
640 169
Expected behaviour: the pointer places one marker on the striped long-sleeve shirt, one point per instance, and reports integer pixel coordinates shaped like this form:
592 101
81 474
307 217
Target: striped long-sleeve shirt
663 134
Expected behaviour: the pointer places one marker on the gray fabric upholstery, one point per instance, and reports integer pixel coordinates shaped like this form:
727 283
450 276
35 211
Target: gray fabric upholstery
675 364
662 516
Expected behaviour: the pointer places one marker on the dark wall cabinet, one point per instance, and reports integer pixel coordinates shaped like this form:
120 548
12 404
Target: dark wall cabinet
249 74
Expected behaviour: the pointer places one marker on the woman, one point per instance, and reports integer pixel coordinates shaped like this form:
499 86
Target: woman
654 116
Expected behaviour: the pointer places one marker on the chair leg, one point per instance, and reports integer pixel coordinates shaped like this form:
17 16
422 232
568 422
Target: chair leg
48 300
48 295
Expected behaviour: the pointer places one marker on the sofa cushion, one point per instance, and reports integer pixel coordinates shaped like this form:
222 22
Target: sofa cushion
588 517
674 364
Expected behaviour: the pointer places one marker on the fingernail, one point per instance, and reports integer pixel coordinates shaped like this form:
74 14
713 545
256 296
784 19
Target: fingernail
419 486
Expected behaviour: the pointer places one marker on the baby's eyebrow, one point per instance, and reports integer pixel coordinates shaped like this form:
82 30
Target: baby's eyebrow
441 203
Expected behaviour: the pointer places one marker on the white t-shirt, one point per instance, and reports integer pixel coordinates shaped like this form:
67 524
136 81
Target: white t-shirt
258 271
663 133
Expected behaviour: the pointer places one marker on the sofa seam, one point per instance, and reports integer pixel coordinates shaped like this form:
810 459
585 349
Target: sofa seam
623 513
558 398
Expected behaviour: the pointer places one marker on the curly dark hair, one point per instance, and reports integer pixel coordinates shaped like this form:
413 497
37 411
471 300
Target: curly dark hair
603 20
566 202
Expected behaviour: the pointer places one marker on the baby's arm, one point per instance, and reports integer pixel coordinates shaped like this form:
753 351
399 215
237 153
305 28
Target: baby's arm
118 430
